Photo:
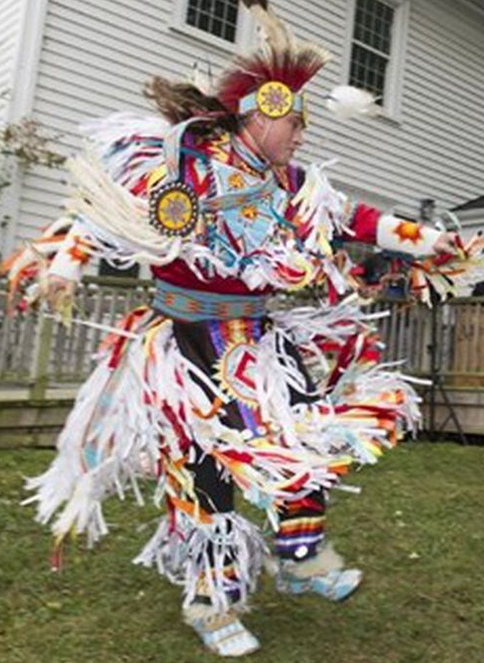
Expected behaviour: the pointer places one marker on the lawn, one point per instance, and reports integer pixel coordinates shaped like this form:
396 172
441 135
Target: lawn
416 530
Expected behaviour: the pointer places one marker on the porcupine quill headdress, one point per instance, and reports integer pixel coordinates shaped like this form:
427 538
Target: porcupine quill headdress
269 79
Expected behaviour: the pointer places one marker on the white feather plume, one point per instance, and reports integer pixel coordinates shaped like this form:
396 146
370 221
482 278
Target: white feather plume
348 102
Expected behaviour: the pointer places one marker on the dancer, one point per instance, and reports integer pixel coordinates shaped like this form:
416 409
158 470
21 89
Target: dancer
205 386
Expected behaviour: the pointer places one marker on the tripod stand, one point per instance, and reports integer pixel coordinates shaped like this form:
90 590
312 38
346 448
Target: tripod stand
437 385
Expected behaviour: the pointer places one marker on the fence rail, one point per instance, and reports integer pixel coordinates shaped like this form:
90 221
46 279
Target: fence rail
38 352
450 335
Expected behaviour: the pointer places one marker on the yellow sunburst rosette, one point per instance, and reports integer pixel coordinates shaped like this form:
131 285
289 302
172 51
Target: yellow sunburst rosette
173 209
275 99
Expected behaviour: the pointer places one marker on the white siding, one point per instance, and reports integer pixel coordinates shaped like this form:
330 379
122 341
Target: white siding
437 151
10 17
96 57
95 60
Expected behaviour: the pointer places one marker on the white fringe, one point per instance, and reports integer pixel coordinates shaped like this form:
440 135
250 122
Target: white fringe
196 552
117 224
129 144
113 418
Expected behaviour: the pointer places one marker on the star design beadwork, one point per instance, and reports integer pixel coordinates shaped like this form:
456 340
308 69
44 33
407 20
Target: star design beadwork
407 230
274 99
173 209
250 212
236 372
236 181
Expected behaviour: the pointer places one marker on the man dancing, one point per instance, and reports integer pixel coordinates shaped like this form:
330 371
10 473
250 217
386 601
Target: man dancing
205 385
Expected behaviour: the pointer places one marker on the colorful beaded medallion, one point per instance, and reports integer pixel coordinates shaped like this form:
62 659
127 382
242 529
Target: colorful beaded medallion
173 209
275 99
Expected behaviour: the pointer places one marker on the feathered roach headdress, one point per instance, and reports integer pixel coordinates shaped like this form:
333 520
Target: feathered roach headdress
270 78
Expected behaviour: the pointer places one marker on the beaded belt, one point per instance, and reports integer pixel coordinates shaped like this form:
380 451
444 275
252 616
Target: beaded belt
197 305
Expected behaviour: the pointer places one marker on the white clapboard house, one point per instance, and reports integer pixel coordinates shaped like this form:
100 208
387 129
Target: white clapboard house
63 61
471 215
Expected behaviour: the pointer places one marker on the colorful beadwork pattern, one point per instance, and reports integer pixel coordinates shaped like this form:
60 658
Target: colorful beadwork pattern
173 209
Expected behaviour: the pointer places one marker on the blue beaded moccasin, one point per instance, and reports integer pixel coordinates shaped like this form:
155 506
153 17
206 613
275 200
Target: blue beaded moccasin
335 585
225 635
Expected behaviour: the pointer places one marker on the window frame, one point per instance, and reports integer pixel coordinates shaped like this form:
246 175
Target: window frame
244 33
392 96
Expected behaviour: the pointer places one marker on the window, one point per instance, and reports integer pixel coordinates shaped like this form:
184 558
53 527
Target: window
372 40
377 47
224 24
217 17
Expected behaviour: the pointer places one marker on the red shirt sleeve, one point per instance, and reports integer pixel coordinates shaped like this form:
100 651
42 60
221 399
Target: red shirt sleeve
364 224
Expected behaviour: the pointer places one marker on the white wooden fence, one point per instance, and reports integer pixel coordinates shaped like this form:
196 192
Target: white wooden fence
40 352
36 351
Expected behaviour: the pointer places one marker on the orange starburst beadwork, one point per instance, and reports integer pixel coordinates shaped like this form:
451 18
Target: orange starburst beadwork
249 212
236 181
408 231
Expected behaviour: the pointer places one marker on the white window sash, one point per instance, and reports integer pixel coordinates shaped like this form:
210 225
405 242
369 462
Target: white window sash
393 85
374 50
244 35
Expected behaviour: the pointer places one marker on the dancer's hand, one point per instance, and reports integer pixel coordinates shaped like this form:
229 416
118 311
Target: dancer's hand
447 243
59 294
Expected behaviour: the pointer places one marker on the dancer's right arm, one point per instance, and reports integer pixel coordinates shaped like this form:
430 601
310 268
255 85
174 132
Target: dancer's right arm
67 268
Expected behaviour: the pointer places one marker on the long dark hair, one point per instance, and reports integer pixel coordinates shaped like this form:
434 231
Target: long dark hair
178 102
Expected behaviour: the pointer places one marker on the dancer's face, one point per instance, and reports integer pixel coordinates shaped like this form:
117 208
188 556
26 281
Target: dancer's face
277 139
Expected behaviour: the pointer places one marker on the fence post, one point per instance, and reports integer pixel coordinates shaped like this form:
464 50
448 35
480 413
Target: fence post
41 359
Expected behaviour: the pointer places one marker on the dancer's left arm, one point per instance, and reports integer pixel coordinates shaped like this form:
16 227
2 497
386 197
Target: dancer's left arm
371 226
319 204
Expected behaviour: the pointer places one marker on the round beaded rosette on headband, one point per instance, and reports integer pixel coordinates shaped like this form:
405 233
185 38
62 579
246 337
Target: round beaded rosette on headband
271 78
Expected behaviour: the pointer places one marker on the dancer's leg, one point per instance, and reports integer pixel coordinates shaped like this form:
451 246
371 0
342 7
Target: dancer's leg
217 623
308 562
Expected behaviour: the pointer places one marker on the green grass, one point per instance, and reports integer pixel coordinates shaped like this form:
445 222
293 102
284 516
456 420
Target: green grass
416 530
